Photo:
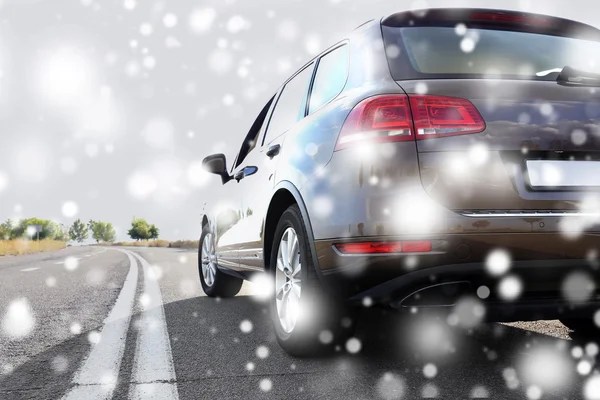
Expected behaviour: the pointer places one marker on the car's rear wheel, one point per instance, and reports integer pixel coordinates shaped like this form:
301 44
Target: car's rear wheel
306 319
215 283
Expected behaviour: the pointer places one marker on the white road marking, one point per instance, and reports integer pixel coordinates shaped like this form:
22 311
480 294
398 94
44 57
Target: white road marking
97 377
153 374
29 269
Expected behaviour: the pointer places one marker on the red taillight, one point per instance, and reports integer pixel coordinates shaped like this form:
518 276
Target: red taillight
377 119
389 118
420 246
437 116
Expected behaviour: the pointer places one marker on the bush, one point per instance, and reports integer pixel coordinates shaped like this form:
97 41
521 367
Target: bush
23 246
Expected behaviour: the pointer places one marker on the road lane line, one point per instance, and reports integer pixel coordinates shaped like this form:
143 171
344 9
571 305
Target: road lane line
153 374
29 269
97 377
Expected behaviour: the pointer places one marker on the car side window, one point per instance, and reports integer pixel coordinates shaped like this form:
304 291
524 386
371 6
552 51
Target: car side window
330 79
290 107
249 142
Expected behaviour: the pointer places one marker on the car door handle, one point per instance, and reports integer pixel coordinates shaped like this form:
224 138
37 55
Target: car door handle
273 150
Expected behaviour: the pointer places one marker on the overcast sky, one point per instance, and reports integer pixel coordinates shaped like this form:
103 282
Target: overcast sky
108 106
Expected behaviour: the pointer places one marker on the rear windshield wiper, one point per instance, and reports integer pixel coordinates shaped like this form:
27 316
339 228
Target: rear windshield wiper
570 76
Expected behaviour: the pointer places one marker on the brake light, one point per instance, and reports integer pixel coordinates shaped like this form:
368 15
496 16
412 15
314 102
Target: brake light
420 246
437 116
377 119
398 118
512 18
417 246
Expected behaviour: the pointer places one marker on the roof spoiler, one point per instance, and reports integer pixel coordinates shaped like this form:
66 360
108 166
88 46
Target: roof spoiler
493 19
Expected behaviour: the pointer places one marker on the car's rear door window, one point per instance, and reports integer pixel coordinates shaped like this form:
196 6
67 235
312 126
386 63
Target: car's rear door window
291 104
330 78
440 52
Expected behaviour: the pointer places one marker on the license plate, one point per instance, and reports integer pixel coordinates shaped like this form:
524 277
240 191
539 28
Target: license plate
550 173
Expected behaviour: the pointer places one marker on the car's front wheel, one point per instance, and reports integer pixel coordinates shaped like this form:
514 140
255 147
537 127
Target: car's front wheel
305 317
215 282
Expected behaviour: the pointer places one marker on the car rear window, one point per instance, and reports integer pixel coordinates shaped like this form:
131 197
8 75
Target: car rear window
439 52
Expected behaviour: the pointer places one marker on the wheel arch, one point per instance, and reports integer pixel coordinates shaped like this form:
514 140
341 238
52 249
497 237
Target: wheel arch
284 196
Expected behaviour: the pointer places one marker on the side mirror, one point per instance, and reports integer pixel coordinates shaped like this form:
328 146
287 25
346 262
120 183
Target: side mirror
246 171
216 164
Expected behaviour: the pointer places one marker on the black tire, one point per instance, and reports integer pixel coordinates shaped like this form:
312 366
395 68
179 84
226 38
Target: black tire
328 321
581 326
224 285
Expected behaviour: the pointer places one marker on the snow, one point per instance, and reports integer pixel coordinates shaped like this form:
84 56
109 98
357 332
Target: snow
71 263
51 281
60 364
70 209
66 76
228 100
220 61
266 385
312 44
353 345
18 321
201 20
146 29
483 292
3 181
237 23
250 367
149 62
262 352
391 386
326 337
460 29
430 371
322 207
141 185
129 4
246 326
578 287
591 388
75 328
498 262
584 367
534 392
170 20
510 287
94 337
421 88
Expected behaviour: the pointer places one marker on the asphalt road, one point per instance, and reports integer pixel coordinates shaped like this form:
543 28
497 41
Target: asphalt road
135 324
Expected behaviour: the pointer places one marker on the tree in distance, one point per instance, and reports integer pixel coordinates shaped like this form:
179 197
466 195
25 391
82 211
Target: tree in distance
102 231
142 230
78 231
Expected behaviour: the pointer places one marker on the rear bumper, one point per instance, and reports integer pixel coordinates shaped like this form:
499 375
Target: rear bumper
457 263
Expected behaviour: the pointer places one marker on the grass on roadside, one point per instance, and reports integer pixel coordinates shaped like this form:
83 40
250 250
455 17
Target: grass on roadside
179 244
23 246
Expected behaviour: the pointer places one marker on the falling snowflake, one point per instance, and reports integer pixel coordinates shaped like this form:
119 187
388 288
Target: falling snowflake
201 20
18 321
353 345
246 326
262 351
70 209
266 385
391 386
